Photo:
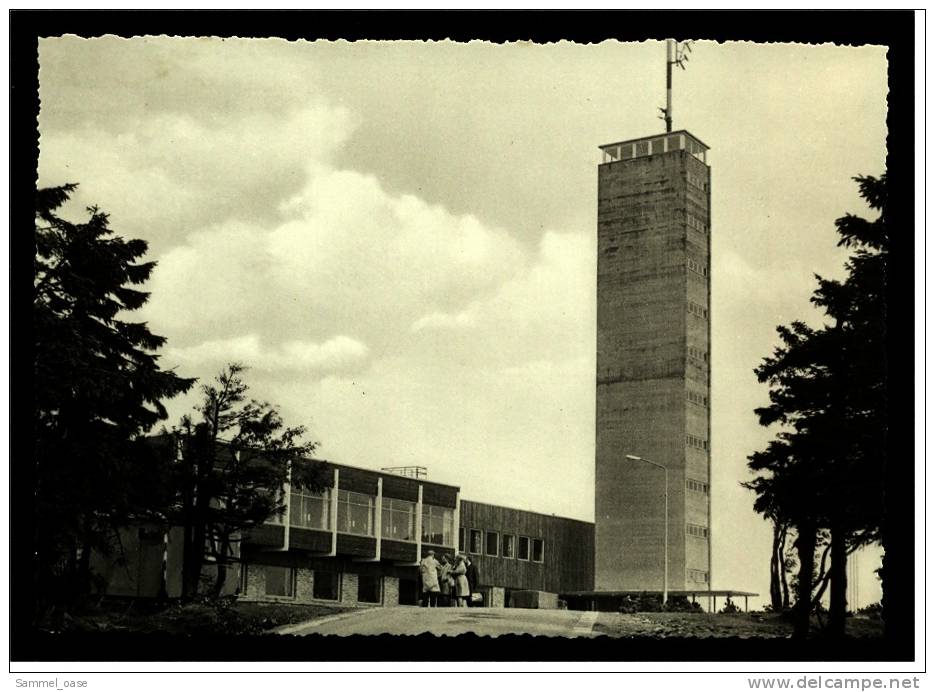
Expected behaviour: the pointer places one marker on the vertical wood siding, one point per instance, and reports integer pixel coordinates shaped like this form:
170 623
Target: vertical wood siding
568 563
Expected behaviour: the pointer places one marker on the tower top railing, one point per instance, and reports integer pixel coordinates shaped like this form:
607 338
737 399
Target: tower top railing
681 140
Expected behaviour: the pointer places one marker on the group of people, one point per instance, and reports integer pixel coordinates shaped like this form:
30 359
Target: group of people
448 582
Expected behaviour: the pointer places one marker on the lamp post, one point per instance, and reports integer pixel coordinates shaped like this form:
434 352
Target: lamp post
665 547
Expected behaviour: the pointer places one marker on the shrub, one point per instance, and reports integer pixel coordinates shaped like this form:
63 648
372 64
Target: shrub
681 604
874 611
649 603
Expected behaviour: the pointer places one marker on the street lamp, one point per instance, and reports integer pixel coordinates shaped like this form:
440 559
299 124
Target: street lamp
665 548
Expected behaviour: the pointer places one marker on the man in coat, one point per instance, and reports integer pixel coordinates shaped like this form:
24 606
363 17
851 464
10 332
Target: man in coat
473 579
428 571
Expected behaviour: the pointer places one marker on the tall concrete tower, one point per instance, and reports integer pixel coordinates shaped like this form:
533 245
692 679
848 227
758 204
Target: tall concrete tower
653 365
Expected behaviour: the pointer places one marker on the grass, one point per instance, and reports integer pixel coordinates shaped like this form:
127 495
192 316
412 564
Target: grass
194 619
747 625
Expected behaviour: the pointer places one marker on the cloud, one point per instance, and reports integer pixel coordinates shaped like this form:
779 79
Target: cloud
348 258
175 173
543 311
337 353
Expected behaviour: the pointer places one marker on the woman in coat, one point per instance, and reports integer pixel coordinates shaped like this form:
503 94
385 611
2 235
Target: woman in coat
428 570
462 591
444 582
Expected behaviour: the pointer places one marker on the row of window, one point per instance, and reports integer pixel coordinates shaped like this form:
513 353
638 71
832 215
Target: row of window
697 398
697 354
508 546
698 576
696 486
697 224
696 309
356 515
326 585
697 530
697 267
696 442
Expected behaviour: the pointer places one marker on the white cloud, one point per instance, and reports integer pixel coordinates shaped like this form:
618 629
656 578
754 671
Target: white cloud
174 173
349 258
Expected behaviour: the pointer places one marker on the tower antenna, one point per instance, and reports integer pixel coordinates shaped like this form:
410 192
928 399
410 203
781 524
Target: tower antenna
676 54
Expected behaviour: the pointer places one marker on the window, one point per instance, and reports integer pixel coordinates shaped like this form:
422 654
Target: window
399 519
461 539
492 546
437 525
697 354
537 550
280 581
368 588
523 548
697 398
355 513
696 309
310 510
696 486
698 575
509 546
697 267
476 540
697 531
325 585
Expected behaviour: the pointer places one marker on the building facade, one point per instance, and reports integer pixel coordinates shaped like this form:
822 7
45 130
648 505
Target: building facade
653 365
360 541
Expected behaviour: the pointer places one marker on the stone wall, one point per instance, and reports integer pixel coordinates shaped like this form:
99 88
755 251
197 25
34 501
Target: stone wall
390 591
349 588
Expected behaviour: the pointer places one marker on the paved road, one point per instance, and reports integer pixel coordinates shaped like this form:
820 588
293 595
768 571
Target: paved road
451 621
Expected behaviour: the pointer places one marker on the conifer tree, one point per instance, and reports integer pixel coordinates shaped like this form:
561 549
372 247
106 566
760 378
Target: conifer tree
97 388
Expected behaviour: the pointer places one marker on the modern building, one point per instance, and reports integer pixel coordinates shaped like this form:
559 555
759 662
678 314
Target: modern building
653 366
360 542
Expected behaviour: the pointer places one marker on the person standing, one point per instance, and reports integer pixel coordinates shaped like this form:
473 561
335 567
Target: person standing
461 583
428 570
444 582
473 578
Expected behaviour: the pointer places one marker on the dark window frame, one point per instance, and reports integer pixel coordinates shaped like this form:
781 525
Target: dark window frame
379 587
470 546
337 585
519 548
532 552
289 582
487 536
503 543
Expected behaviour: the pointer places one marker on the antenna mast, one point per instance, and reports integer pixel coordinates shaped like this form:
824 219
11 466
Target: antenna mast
676 54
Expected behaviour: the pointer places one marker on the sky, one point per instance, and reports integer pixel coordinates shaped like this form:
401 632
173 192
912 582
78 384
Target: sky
399 238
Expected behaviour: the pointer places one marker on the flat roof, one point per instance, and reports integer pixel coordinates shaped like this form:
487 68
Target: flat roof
527 511
386 474
664 134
